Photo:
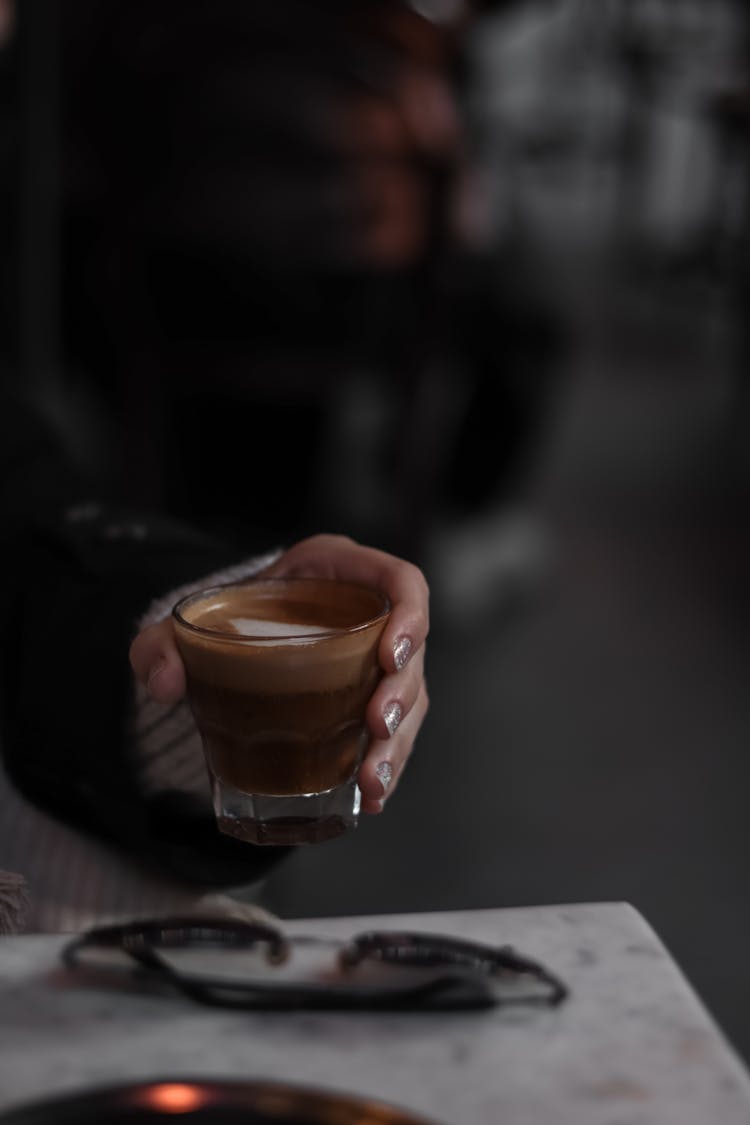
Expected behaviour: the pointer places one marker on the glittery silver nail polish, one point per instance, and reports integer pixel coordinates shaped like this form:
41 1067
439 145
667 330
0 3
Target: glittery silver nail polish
392 716
384 770
401 652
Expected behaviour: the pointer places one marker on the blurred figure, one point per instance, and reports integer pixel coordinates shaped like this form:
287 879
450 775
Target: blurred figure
180 177
262 209
256 205
252 195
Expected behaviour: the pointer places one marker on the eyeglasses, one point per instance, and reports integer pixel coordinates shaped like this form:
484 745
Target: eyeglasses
232 964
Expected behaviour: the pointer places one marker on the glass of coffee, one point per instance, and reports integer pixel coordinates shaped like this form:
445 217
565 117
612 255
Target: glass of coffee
279 674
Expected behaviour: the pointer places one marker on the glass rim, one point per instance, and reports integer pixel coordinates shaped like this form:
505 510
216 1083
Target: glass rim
281 580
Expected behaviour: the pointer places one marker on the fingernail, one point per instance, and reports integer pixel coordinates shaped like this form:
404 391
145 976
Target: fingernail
392 716
154 672
401 652
384 770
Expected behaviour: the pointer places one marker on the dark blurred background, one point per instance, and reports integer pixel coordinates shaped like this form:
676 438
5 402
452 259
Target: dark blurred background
470 285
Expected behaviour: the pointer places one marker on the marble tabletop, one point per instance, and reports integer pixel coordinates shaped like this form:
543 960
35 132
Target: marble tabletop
633 1044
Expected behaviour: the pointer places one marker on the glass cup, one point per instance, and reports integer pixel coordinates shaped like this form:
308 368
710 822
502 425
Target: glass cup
279 674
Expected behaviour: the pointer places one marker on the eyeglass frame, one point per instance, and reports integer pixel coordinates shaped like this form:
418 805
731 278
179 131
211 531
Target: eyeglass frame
457 973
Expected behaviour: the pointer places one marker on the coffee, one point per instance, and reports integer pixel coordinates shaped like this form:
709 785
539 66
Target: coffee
279 673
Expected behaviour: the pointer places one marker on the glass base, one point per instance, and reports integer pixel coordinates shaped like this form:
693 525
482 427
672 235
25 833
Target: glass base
305 818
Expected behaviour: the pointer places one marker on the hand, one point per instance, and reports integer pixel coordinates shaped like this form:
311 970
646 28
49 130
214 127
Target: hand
399 705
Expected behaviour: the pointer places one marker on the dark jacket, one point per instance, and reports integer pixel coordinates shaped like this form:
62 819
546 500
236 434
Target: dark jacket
77 574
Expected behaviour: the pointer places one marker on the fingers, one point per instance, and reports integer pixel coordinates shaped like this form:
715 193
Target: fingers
336 556
394 698
399 703
156 663
386 758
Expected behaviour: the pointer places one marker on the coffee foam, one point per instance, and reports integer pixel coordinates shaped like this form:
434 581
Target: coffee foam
261 627
301 635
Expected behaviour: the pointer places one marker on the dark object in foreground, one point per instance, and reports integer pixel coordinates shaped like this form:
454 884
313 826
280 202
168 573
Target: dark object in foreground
209 1103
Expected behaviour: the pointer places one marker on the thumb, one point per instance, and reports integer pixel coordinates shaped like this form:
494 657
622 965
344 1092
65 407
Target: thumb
157 664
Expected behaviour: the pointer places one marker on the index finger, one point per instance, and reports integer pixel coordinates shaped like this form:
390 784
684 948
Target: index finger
336 556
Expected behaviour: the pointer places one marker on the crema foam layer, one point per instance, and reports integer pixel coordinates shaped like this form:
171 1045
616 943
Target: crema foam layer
260 627
280 636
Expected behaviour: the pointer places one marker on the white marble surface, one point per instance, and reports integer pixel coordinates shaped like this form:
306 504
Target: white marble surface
633 1045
